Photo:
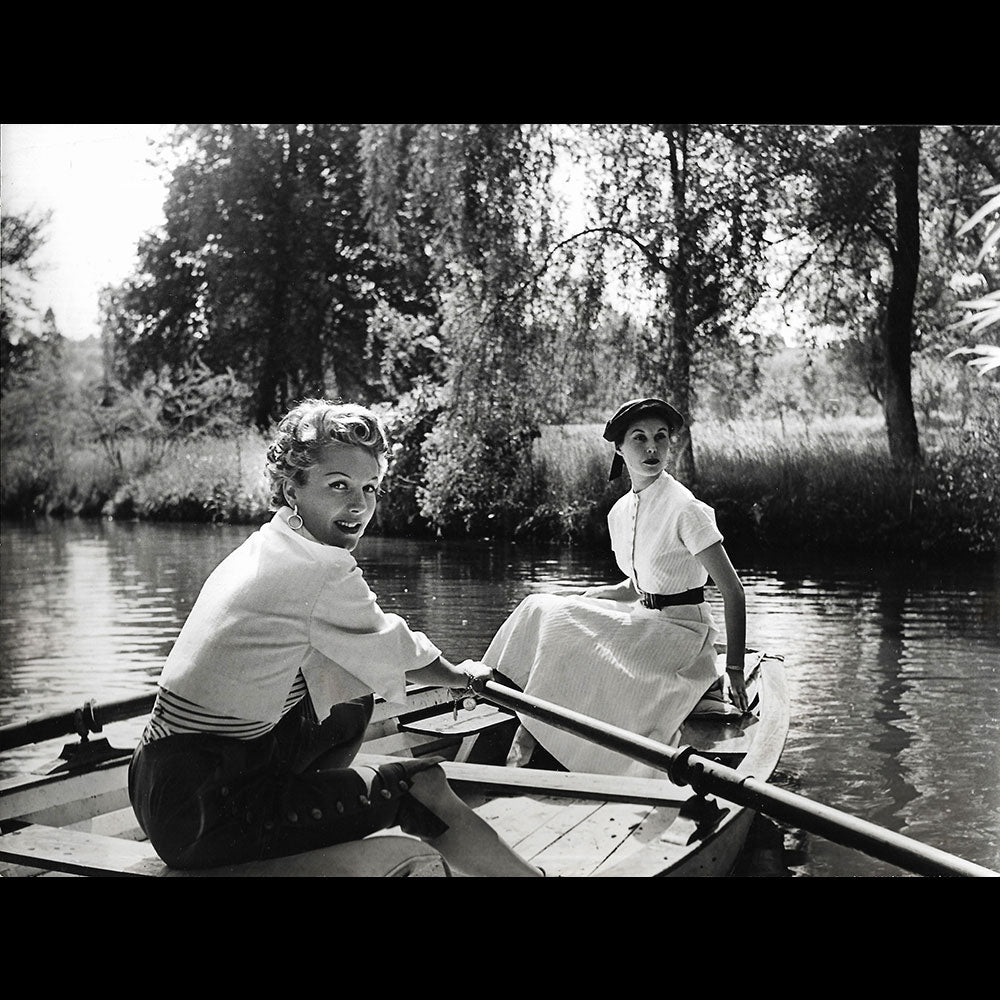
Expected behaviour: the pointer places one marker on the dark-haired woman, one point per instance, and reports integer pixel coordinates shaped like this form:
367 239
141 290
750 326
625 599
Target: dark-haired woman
639 654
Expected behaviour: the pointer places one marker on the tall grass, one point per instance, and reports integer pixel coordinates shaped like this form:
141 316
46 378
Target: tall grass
206 479
796 487
202 479
814 487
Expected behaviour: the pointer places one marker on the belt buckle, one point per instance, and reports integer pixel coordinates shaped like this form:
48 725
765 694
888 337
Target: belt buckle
646 600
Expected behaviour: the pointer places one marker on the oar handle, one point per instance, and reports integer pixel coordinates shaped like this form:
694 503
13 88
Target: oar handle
88 718
685 766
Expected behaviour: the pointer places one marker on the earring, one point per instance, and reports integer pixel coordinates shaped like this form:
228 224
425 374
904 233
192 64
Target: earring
295 515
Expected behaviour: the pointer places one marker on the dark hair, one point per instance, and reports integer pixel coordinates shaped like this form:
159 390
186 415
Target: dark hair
310 425
627 414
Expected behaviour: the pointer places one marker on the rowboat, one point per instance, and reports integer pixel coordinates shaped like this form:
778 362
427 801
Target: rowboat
76 819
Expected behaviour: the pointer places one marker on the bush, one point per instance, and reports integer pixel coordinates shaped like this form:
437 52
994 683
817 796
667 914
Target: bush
408 425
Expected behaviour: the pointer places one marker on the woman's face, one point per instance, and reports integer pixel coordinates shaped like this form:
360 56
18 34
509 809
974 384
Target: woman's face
337 500
646 449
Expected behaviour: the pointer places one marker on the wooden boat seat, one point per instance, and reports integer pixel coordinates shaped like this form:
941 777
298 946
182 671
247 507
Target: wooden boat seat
470 729
426 726
76 852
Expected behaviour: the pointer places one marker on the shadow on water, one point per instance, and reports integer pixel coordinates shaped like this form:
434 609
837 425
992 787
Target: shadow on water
765 854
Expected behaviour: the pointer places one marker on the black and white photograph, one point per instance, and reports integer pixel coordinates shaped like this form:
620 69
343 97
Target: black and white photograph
500 500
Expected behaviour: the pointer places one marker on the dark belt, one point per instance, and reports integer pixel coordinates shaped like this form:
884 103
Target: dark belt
656 601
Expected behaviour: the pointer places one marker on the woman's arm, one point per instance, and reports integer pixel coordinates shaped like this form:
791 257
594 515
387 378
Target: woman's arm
444 673
716 561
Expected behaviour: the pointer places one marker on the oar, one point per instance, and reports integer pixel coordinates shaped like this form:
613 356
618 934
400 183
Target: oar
90 718
686 767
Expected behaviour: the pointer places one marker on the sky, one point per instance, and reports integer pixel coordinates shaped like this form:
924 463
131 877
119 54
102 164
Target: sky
103 195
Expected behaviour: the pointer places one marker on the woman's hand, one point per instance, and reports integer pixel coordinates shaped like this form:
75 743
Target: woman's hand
737 687
476 670
457 677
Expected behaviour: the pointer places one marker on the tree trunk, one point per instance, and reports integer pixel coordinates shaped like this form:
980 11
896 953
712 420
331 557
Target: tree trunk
678 375
900 422
273 382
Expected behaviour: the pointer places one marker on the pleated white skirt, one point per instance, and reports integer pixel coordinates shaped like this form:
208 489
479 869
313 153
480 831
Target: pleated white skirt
621 663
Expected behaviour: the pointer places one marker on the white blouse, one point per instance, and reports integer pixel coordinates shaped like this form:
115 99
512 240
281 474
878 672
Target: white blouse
656 533
283 603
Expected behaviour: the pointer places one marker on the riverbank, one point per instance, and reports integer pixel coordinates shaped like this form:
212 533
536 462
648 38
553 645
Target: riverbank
806 487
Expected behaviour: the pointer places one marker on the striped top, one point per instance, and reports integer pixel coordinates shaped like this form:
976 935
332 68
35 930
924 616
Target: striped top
656 533
283 605
173 715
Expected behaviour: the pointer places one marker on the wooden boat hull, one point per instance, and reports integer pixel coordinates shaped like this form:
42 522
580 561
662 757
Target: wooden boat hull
79 822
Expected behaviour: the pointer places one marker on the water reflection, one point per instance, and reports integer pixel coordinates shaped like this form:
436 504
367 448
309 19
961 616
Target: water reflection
893 671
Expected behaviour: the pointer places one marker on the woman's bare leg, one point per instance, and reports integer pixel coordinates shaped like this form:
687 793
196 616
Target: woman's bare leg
470 844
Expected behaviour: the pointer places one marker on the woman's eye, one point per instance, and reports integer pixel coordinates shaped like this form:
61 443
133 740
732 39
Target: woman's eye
372 489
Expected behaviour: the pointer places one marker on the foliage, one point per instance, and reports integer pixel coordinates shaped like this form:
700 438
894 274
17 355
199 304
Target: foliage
470 200
958 501
845 259
162 408
476 282
264 266
207 479
408 422
21 238
681 213
812 489
985 310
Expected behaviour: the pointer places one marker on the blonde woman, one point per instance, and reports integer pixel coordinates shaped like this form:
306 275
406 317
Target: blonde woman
264 699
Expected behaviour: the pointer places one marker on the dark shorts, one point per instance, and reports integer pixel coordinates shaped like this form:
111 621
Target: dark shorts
206 801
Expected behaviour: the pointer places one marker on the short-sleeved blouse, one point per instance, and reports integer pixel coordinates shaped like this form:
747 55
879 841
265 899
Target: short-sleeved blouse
283 603
656 533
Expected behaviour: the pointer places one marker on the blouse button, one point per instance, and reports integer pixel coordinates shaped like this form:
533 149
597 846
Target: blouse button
317 814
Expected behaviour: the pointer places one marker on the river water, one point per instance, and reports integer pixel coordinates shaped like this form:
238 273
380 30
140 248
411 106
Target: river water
893 669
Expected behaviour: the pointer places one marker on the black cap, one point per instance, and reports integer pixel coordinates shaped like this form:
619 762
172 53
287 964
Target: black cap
631 411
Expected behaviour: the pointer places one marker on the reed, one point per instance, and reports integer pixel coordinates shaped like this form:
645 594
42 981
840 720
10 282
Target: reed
201 479
204 479
817 487
796 487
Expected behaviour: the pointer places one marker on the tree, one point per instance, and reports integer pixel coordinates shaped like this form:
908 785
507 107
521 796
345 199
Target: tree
680 215
467 200
22 236
879 252
264 265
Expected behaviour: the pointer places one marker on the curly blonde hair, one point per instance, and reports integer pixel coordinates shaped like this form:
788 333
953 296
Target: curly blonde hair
310 425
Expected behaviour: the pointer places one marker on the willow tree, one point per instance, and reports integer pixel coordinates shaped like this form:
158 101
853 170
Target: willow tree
468 200
264 265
